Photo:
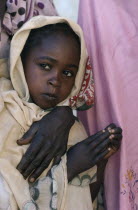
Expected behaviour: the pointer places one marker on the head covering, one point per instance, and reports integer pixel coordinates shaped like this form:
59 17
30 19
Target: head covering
83 90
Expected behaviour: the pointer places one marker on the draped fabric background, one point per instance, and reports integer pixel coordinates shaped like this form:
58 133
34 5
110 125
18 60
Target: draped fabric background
111 32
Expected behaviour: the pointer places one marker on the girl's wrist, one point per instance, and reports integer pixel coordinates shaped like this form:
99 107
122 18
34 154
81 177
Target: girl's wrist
70 171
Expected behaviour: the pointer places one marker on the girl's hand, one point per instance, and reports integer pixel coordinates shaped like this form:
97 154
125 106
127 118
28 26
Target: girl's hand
114 144
48 139
92 150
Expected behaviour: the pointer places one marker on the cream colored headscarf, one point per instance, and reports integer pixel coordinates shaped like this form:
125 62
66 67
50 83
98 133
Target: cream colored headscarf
18 42
16 115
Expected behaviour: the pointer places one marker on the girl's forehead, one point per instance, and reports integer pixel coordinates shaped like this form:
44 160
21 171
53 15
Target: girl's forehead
60 29
61 48
54 41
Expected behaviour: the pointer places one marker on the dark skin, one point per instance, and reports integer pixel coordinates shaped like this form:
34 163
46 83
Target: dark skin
61 120
54 73
52 70
114 145
93 150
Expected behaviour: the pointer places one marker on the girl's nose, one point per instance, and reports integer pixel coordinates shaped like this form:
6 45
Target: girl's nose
54 80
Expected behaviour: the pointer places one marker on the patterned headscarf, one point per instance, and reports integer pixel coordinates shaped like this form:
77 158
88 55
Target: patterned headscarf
85 99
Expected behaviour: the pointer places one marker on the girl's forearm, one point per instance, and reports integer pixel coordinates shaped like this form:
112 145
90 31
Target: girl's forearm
95 187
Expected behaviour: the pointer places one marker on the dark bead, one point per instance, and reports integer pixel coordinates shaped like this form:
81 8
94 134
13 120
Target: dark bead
21 11
20 24
13 14
40 5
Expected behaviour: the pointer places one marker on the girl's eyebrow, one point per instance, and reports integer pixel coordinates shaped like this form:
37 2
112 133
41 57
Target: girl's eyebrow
72 66
55 61
47 58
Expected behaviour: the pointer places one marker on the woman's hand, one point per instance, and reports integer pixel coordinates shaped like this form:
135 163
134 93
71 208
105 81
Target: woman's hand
48 139
92 150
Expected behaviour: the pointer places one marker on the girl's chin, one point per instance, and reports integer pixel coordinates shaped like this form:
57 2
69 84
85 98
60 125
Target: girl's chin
47 105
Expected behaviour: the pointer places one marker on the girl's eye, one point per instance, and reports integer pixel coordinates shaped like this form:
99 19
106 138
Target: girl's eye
68 73
45 66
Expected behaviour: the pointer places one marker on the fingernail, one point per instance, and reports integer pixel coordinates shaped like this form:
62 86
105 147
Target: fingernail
20 139
103 131
32 179
109 149
109 130
111 137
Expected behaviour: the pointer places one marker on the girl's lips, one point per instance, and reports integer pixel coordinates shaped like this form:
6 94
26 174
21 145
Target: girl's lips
50 96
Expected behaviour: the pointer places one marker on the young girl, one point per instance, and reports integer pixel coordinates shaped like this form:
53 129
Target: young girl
48 73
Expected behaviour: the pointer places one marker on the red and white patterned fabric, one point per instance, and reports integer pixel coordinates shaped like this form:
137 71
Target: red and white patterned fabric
86 95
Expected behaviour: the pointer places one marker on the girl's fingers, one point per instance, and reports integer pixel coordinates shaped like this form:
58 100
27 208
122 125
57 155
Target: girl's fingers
94 142
93 137
111 151
117 136
30 154
58 157
100 147
101 156
56 160
111 126
28 136
35 163
116 130
110 144
41 168
115 144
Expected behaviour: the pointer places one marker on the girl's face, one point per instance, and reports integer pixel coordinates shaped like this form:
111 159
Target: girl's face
50 69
